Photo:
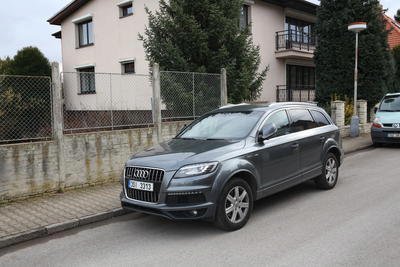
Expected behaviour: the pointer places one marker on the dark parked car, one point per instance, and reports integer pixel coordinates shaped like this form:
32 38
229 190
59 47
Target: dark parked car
216 167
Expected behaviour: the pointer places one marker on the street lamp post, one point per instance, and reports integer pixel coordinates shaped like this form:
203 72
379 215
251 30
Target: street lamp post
356 27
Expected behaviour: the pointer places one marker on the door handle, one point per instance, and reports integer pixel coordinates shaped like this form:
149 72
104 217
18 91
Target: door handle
295 146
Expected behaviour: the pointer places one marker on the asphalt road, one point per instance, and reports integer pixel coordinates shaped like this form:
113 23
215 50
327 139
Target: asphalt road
357 223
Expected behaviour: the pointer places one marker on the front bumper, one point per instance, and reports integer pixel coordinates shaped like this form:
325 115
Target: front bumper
181 212
174 198
381 135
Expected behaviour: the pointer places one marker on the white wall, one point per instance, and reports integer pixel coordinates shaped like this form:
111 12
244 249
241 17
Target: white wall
115 40
266 20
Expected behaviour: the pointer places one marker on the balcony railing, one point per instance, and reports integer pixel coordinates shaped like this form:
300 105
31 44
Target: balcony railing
298 93
286 40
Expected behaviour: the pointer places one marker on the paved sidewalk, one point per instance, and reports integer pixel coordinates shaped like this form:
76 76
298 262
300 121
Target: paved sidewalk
41 216
354 144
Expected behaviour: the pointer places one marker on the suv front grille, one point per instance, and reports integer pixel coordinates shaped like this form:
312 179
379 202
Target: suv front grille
149 175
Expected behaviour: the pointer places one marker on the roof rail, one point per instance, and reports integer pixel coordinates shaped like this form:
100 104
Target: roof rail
310 103
390 94
234 105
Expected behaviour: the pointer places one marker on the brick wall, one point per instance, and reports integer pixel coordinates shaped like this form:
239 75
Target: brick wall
338 117
394 32
90 158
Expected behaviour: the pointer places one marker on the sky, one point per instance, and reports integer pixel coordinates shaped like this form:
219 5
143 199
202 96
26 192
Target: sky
29 26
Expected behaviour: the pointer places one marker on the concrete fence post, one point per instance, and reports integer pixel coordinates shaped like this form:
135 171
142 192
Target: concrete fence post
58 121
337 113
224 88
157 101
362 111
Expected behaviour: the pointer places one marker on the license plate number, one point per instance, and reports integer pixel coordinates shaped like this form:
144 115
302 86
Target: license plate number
141 185
394 135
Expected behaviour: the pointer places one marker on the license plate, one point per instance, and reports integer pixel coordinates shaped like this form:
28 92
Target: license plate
141 185
394 135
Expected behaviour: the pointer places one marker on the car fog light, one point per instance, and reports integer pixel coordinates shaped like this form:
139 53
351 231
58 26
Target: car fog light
194 212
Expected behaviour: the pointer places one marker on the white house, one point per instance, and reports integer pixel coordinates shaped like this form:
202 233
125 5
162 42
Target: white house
102 37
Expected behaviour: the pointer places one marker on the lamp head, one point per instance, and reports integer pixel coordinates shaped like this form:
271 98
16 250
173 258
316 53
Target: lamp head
357 26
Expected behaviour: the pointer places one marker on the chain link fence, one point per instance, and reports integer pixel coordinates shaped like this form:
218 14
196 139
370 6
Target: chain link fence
25 108
188 95
106 101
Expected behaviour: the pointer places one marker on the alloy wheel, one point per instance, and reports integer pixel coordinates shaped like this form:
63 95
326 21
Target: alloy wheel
331 170
237 204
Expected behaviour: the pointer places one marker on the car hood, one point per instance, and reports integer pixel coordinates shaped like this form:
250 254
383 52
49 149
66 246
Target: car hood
176 153
388 117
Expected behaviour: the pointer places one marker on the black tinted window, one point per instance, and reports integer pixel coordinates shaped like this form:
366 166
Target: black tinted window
301 120
319 118
281 121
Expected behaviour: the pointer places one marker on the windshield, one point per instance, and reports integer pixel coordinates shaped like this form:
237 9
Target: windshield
223 125
390 104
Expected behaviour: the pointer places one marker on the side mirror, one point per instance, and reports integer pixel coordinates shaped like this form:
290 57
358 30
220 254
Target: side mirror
375 109
266 132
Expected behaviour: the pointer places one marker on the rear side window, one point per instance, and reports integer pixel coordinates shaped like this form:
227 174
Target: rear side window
301 120
319 118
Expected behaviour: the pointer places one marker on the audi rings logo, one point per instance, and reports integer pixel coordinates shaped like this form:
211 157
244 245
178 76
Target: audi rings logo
141 174
396 125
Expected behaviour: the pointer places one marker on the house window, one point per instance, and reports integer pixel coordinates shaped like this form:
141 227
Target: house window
300 77
87 80
244 17
85 32
128 67
126 10
300 31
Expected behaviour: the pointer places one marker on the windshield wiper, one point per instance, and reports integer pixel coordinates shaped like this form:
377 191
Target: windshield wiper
387 110
208 139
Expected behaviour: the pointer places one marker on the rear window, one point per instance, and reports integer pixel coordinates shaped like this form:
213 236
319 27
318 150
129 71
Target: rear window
319 118
301 120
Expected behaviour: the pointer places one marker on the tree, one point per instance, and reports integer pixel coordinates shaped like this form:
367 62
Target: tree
205 36
334 56
397 16
30 61
25 101
396 59
5 65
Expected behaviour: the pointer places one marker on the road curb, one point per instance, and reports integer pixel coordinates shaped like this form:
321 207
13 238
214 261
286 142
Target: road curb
364 147
59 227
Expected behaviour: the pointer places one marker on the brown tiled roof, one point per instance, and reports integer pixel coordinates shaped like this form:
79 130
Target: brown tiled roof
66 11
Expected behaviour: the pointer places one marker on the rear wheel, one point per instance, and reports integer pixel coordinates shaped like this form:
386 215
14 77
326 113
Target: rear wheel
330 173
235 205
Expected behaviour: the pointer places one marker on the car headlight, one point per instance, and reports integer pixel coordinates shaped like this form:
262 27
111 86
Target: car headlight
196 169
377 123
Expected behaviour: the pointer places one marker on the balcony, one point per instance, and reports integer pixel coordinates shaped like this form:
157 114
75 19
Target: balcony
298 93
294 44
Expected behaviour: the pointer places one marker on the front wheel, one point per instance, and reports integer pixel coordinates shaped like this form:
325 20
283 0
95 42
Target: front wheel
235 205
330 173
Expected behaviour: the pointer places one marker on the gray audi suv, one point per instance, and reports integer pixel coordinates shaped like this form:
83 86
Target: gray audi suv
217 166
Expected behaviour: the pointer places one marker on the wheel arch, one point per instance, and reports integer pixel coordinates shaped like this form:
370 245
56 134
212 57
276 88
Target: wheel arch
247 176
335 151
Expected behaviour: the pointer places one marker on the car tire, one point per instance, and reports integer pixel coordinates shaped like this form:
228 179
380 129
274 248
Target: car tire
234 205
330 172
